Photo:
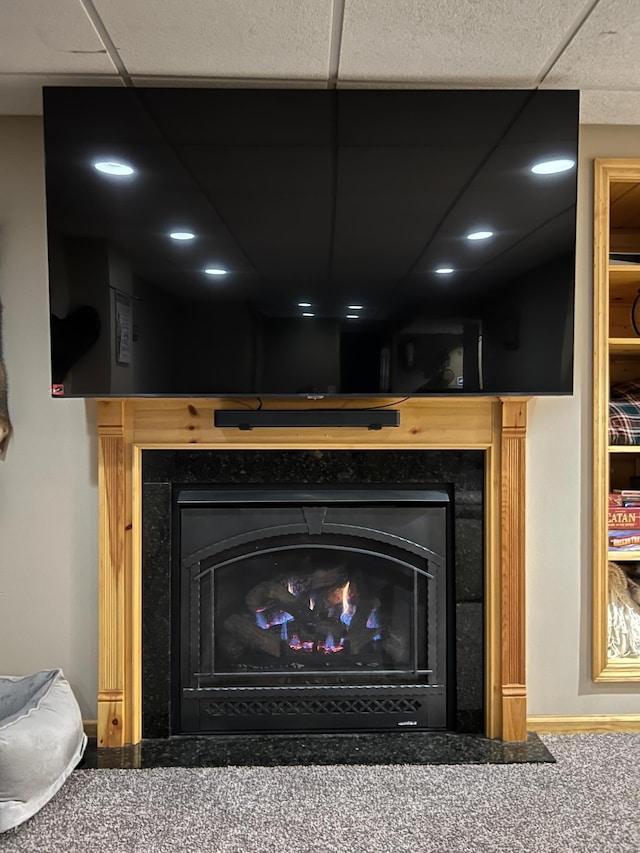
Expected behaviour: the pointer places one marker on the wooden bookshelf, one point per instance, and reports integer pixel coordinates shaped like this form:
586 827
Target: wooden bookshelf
616 357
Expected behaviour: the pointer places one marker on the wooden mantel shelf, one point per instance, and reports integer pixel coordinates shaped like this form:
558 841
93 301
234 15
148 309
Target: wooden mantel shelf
126 427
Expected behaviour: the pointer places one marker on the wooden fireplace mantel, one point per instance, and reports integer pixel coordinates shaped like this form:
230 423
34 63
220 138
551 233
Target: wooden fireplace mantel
126 427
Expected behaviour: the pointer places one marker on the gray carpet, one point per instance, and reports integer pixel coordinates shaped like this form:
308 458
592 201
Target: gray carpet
588 801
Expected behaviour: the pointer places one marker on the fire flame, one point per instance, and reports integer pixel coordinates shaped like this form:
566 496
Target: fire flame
348 609
267 618
279 617
329 646
298 646
372 619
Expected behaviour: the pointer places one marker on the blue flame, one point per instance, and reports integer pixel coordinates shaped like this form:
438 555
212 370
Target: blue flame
372 620
261 619
279 617
346 618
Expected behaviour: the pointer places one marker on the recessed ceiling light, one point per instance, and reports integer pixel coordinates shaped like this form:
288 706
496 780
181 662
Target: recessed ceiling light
444 270
354 307
113 167
215 271
552 167
182 235
304 305
479 235
352 316
307 314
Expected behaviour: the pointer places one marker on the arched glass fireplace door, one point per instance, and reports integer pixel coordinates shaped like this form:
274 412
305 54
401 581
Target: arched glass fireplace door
314 609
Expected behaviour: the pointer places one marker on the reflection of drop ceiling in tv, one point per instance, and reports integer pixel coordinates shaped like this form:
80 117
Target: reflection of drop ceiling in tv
341 226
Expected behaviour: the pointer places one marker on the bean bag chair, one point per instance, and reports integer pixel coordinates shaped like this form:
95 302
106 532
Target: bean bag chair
41 741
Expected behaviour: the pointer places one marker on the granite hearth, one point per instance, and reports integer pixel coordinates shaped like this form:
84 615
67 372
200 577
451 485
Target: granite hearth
318 749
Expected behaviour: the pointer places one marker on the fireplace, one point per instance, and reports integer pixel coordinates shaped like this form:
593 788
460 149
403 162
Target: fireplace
313 609
147 448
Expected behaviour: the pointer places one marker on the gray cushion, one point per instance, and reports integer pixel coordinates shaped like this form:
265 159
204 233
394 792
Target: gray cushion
41 741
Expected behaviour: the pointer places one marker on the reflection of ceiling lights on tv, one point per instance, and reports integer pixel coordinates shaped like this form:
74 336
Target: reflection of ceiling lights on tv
113 167
552 167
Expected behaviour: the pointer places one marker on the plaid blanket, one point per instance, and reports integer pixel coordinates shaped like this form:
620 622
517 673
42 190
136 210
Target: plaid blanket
624 413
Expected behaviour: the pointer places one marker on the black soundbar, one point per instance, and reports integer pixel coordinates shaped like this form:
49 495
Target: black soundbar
250 418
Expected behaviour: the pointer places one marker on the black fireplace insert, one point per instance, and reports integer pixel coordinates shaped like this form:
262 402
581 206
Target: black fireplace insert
313 609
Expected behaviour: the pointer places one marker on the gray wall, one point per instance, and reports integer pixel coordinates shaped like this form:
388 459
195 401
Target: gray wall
48 489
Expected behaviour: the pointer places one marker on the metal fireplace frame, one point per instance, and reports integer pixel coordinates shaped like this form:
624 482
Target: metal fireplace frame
207 699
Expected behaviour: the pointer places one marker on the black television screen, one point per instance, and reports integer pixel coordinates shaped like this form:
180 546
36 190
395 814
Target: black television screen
256 242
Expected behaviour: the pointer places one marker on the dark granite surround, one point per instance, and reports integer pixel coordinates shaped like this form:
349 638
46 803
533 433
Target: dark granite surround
165 470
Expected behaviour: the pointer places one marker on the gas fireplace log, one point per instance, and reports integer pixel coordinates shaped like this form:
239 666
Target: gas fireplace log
365 607
395 646
272 595
325 578
359 635
232 647
324 627
244 630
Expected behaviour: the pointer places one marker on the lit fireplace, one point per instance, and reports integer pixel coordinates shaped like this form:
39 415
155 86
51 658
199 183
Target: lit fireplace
327 606
323 591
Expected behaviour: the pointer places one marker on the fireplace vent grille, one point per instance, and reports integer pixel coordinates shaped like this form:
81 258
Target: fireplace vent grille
299 707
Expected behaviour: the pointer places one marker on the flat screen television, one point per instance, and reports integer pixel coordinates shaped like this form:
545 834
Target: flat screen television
314 243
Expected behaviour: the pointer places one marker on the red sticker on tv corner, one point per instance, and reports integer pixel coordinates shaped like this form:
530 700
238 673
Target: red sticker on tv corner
57 390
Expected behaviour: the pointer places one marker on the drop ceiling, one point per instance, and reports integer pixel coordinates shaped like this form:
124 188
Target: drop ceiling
590 45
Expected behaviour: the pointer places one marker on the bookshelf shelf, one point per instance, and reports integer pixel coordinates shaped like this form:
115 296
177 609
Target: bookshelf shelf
624 274
624 556
624 346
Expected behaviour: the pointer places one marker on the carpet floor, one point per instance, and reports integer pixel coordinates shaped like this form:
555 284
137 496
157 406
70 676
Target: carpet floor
589 800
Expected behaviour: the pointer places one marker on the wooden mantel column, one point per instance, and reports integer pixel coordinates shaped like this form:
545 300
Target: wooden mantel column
118 664
512 568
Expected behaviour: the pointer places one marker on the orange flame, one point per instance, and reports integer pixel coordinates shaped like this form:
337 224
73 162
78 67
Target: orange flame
348 609
345 598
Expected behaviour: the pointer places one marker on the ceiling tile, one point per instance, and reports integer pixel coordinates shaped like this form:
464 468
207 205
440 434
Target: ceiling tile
221 38
41 36
458 41
607 107
21 94
605 52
